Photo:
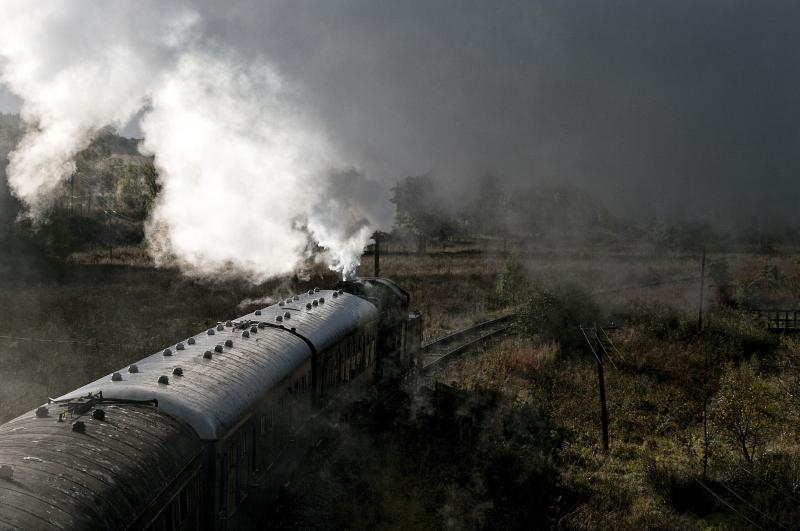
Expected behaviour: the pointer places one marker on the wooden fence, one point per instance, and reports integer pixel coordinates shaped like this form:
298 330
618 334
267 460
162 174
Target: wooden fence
787 321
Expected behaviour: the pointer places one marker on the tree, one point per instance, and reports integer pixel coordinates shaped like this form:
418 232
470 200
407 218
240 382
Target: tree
137 186
419 209
746 408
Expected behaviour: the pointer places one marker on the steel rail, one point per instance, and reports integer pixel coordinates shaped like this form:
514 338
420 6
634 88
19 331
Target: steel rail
461 341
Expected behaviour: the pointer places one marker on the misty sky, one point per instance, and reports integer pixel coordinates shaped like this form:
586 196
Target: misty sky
682 109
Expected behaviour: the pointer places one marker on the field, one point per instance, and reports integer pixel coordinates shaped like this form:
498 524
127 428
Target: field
66 324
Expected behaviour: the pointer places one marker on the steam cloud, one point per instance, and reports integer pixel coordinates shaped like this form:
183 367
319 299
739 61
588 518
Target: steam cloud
257 110
250 181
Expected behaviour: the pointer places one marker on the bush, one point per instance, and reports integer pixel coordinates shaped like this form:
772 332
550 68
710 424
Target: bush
513 285
557 315
657 320
746 409
738 338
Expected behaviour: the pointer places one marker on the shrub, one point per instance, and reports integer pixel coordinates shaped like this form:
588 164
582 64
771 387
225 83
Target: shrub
513 285
746 409
557 315
735 337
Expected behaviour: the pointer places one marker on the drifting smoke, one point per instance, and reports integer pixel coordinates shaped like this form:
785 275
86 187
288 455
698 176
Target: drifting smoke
249 179
255 110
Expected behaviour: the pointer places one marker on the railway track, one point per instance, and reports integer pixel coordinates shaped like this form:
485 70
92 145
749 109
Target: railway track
438 352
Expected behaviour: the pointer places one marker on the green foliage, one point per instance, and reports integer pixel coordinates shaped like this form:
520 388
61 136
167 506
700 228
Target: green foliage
746 408
137 186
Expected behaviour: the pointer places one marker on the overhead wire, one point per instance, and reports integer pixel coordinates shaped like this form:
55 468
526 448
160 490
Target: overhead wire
602 346
753 507
767 483
619 353
729 506
583 331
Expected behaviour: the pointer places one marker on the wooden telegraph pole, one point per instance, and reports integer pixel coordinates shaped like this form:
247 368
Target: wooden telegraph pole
597 350
702 288
602 381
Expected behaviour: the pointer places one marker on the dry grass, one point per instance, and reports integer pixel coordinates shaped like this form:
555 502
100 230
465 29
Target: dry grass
452 290
510 366
132 255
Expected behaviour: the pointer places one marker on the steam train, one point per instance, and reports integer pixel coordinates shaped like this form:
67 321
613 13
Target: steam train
179 439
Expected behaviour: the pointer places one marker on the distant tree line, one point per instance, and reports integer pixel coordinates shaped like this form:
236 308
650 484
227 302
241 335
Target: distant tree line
519 214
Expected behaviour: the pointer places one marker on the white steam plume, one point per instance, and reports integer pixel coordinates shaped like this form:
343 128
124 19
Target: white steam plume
247 175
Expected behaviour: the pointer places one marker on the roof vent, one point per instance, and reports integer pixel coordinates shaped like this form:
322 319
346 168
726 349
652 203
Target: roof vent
316 290
6 472
116 377
210 331
289 300
133 368
279 318
341 292
99 414
207 354
297 297
245 334
311 292
163 379
42 412
280 303
253 329
308 306
177 371
258 312
335 294
220 327
229 342
315 303
287 315
179 346
322 300
228 323
79 426
191 341
218 348
167 352
262 325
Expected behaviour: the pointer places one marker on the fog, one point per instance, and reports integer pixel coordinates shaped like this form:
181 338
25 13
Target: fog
682 110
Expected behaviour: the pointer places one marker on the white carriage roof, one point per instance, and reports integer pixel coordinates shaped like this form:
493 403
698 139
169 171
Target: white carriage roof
212 395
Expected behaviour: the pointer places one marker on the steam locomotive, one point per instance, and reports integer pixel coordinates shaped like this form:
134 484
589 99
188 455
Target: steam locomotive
179 439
